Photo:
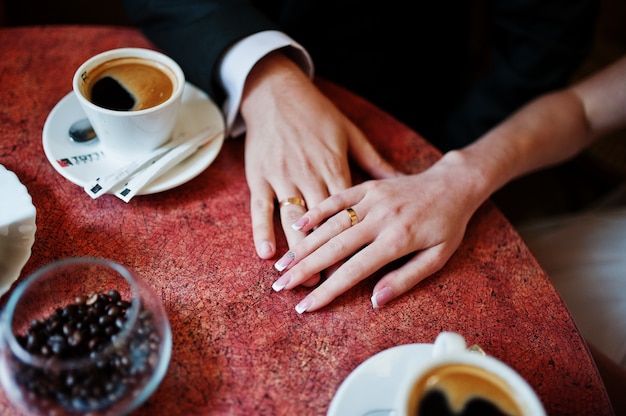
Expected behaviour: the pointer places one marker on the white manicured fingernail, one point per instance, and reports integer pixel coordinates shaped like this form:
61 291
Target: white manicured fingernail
298 225
284 261
382 297
304 304
282 282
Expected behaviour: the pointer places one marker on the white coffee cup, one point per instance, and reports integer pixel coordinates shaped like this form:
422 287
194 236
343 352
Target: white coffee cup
464 375
131 97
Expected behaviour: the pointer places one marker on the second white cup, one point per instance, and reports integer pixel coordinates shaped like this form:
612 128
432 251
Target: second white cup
458 381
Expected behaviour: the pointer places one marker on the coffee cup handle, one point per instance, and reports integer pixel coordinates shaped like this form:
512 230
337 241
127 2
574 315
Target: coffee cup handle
447 343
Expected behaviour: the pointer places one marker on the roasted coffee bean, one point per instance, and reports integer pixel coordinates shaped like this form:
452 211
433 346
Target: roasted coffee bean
93 343
91 299
45 351
115 296
105 320
74 338
110 331
84 329
69 311
32 342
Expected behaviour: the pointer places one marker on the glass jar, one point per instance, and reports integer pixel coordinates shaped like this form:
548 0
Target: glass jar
83 335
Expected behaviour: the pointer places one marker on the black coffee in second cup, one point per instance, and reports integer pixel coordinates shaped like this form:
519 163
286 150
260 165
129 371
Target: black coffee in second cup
462 389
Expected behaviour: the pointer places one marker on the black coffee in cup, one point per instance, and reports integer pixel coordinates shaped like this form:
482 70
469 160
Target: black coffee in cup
462 389
129 84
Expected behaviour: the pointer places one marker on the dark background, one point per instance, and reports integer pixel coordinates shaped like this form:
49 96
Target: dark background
596 178
43 12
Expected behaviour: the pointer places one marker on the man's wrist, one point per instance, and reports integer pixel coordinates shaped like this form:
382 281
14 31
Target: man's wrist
239 61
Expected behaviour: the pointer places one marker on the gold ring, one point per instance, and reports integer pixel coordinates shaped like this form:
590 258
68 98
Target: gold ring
353 217
292 201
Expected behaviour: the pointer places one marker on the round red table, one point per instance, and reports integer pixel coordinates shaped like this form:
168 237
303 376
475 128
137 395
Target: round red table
240 348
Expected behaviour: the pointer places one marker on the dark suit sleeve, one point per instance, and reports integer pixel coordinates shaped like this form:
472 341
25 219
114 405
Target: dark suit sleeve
536 47
196 33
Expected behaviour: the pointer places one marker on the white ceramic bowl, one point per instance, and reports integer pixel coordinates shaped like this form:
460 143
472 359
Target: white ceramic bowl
17 228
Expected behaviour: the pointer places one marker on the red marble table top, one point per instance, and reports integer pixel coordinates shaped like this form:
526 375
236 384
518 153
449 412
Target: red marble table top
240 348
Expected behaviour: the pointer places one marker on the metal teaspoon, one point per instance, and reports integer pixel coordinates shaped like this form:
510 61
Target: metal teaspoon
81 131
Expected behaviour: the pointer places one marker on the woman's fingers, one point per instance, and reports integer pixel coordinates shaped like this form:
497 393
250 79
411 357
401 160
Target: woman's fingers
358 267
334 250
404 278
365 263
371 225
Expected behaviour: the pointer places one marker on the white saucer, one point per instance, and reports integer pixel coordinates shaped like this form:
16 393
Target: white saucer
82 162
371 388
17 228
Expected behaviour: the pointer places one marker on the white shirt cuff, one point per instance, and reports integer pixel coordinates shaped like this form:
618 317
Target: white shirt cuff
238 62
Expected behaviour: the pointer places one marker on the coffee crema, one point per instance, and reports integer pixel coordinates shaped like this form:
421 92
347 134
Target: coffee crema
129 84
462 389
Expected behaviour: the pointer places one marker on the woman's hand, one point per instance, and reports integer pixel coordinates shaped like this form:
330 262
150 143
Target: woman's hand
425 214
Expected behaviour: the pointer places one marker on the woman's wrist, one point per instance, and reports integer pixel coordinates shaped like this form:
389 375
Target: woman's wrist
467 177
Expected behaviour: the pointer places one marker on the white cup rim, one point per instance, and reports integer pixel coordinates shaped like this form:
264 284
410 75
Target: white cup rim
97 59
